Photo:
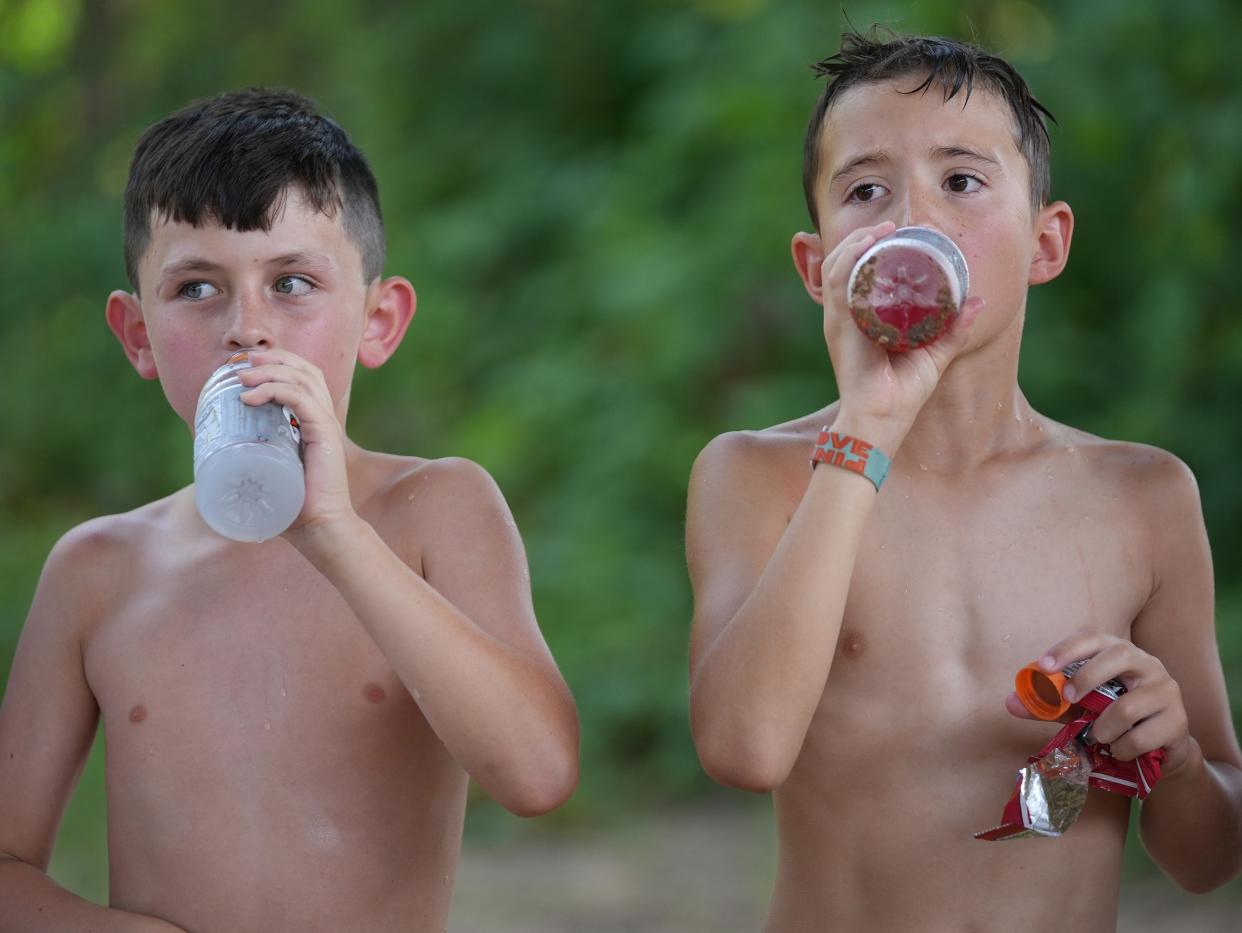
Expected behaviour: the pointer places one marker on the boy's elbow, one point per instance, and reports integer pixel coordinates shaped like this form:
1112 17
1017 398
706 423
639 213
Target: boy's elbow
755 763
1204 879
544 792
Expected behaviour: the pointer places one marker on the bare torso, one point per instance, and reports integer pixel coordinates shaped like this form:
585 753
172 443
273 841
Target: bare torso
958 583
266 769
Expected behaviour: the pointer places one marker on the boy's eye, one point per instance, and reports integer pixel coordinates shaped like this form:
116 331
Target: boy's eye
963 184
867 191
198 291
292 285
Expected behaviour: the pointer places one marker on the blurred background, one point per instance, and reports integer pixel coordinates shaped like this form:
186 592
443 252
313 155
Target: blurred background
594 201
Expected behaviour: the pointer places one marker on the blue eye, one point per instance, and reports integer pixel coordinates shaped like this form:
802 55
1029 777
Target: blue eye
293 285
198 291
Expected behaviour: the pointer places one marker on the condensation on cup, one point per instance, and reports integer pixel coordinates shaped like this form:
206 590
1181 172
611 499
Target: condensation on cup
908 288
248 478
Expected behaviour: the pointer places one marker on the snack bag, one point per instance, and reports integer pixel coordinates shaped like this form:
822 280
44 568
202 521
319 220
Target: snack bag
1052 789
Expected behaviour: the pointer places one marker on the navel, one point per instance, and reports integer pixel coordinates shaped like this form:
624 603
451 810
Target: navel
138 713
374 692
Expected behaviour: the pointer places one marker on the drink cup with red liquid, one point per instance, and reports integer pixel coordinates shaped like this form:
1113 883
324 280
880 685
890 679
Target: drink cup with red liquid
908 288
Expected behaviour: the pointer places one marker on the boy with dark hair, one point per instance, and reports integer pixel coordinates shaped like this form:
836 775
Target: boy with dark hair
852 644
290 725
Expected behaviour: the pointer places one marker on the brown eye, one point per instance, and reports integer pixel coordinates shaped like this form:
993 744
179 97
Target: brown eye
964 184
865 192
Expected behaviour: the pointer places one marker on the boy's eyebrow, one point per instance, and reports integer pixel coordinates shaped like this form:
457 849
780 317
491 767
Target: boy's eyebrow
189 264
867 158
202 264
938 152
301 258
961 152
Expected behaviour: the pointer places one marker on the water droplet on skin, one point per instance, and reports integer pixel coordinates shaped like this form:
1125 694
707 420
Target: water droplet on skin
923 467
267 725
284 692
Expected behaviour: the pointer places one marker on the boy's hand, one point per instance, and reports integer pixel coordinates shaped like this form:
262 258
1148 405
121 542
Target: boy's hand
1148 716
879 388
287 379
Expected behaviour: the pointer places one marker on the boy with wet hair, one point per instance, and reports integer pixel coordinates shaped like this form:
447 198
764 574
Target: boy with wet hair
853 642
290 725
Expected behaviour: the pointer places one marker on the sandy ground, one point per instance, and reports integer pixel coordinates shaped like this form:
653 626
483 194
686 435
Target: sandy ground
704 870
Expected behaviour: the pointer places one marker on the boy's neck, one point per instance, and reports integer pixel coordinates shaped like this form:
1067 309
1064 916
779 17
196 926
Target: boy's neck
976 412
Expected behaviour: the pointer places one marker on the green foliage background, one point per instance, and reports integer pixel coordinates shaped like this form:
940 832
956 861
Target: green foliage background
594 201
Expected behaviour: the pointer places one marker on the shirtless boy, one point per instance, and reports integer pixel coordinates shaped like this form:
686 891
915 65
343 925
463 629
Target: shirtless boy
853 651
290 725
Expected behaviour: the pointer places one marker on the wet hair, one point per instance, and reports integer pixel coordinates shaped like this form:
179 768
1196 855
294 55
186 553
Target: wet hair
954 66
233 159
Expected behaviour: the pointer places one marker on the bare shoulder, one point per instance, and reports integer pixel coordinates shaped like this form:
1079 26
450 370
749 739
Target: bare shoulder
104 558
439 488
1152 480
772 461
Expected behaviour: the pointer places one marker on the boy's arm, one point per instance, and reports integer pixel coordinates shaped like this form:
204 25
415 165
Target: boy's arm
47 722
769 596
1191 824
464 640
770 589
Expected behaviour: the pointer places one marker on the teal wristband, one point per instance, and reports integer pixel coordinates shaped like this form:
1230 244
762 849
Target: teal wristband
849 453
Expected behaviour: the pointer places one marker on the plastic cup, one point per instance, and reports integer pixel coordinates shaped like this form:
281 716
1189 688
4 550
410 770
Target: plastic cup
907 289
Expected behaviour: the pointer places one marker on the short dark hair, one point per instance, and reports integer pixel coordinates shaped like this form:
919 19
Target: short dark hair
232 159
948 62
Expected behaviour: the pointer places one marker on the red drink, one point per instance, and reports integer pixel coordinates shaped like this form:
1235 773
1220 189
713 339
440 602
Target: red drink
907 289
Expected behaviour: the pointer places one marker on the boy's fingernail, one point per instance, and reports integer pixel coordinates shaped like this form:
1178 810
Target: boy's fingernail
1048 662
1069 692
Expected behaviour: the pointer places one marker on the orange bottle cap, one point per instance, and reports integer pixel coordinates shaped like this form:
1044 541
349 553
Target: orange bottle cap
1040 692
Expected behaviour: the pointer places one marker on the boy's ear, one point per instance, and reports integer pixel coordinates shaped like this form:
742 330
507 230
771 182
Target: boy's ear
1055 227
388 315
124 314
808 257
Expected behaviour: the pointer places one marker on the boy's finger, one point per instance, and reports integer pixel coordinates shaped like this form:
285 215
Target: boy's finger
954 341
1076 647
1117 661
1124 714
839 263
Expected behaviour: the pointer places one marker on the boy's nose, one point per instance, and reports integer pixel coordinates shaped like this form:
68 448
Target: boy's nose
914 210
249 325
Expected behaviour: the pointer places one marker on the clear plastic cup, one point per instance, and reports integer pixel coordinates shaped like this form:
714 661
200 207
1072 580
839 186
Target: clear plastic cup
906 290
248 479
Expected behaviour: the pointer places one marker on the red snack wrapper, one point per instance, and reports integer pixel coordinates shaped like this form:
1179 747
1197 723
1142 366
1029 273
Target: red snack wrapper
1052 789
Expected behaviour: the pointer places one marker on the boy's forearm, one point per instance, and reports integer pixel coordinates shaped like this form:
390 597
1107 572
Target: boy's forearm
31 902
1191 825
506 718
755 691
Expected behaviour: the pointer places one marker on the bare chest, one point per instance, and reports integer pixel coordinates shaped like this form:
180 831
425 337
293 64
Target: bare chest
239 674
